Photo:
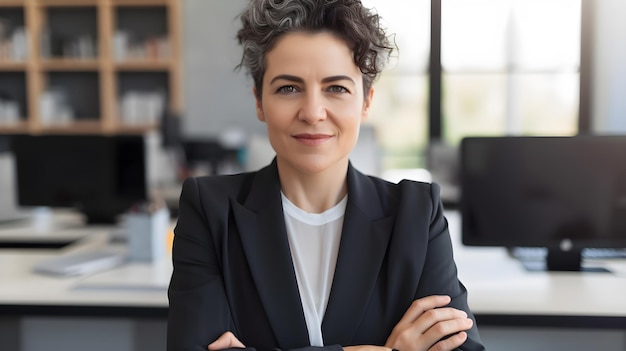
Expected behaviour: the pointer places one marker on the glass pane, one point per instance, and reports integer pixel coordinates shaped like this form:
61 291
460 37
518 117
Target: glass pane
399 114
535 44
549 103
399 109
474 104
474 34
409 20
547 34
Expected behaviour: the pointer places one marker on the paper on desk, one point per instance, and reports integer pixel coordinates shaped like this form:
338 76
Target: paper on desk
131 276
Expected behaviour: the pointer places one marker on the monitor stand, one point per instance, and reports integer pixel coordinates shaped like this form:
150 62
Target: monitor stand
558 260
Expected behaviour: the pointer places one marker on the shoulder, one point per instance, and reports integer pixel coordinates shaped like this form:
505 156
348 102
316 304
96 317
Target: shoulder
407 191
380 198
226 184
214 190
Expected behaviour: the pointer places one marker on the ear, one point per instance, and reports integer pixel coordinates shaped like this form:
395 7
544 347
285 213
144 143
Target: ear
259 106
367 104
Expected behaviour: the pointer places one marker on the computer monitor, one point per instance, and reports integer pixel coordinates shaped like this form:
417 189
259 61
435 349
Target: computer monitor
101 176
560 193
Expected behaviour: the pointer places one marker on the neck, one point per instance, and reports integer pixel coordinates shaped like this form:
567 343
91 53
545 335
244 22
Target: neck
314 192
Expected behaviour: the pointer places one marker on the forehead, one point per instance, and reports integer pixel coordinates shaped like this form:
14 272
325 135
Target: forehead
308 53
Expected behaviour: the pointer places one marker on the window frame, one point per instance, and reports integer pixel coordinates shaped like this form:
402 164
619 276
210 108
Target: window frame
435 72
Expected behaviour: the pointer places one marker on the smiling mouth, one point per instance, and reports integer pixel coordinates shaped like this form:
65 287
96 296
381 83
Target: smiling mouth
312 139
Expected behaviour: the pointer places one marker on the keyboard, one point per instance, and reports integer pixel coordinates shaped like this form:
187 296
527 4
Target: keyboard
604 253
587 253
81 262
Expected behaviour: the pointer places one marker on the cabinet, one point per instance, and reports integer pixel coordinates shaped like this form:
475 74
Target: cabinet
88 66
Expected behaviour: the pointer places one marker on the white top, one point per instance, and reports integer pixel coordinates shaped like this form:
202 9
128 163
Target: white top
314 243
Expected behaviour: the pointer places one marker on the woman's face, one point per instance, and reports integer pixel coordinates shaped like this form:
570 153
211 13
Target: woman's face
312 102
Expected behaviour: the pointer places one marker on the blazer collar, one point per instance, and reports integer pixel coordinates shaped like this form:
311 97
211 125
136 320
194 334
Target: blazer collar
365 235
364 241
259 218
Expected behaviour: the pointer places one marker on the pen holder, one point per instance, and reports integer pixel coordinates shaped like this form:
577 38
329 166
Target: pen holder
147 234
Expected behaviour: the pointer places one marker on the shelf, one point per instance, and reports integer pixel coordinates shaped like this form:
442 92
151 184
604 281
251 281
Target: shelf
12 3
74 127
13 128
68 3
12 66
134 3
135 129
70 64
143 65
85 127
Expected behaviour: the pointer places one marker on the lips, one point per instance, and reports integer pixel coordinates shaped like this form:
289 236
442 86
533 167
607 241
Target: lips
312 139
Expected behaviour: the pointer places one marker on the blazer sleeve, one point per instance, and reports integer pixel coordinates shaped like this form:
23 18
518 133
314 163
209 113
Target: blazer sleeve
440 273
198 307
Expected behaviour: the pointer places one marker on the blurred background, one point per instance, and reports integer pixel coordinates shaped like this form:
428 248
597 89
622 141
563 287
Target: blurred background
108 105
167 69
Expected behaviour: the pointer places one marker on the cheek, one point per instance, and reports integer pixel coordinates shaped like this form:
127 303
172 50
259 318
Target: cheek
279 110
349 114
276 118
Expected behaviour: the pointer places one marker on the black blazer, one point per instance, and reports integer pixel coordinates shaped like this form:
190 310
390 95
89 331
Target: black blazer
233 269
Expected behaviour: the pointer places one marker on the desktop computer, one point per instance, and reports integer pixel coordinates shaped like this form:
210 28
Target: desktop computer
9 211
566 195
100 176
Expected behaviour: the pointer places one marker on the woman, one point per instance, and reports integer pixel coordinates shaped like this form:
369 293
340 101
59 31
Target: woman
309 252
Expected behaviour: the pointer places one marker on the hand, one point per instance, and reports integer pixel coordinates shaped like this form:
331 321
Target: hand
426 324
226 341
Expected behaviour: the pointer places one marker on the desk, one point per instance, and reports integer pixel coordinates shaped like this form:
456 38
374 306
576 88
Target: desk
520 310
502 292
120 309
573 311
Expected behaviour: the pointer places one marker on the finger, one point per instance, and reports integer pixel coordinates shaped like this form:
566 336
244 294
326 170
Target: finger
435 324
431 317
419 306
444 331
451 343
225 341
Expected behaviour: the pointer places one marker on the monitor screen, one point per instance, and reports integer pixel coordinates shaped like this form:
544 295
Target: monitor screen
101 176
552 192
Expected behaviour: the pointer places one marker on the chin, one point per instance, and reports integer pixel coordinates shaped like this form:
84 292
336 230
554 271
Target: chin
315 164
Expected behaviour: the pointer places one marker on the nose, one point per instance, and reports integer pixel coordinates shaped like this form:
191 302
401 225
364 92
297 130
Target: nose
312 110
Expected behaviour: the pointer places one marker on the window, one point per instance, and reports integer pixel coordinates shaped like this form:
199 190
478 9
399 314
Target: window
399 111
510 67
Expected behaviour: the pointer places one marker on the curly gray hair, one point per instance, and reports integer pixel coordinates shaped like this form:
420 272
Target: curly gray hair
264 21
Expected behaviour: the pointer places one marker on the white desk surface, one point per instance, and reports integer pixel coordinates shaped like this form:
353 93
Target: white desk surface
135 284
131 285
497 284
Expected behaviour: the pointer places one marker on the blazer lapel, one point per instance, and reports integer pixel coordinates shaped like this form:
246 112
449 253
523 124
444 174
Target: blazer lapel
364 241
264 239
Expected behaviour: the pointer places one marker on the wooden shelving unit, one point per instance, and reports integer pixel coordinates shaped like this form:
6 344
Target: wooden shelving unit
91 66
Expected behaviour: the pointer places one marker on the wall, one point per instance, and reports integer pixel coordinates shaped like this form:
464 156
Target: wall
216 97
609 68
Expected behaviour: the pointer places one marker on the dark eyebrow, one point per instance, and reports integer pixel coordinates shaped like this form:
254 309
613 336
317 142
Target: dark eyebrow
337 78
296 79
287 77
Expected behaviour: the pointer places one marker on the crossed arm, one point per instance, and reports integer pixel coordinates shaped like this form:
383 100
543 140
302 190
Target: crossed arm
198 297
426 325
